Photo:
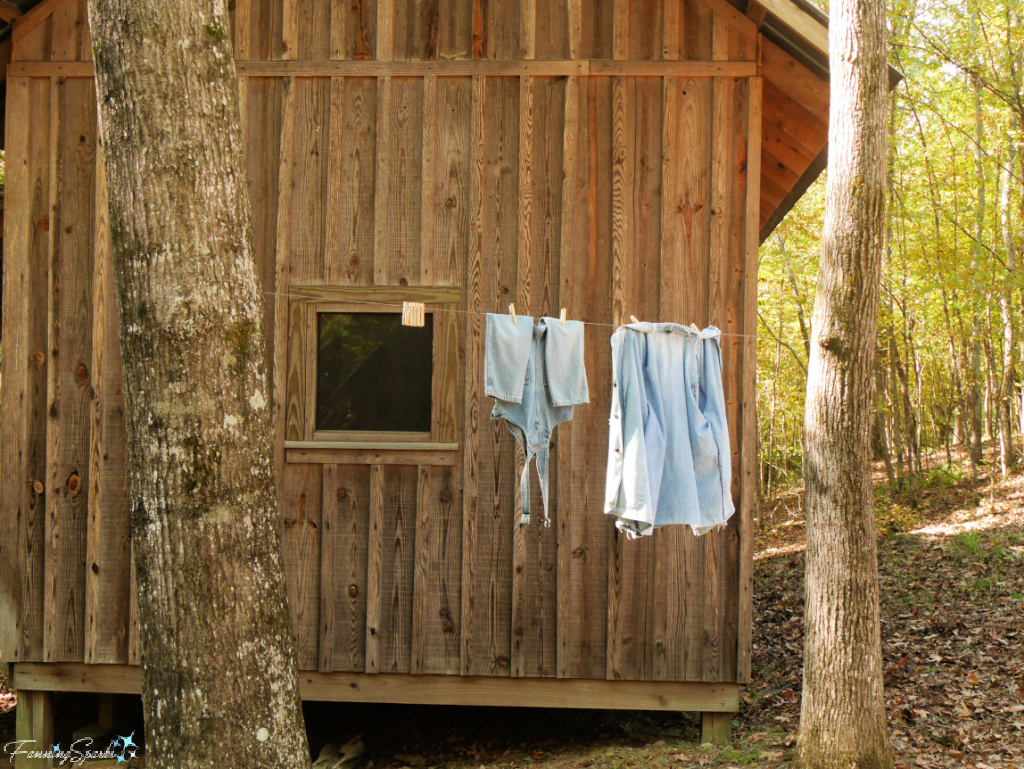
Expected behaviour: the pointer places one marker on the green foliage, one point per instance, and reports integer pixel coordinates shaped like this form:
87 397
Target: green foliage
942 477
894 518
953 245
968 542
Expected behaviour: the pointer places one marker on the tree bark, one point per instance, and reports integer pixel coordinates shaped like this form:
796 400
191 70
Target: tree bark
842 721
219 680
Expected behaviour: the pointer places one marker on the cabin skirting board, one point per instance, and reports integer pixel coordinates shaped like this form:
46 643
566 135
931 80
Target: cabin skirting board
420 690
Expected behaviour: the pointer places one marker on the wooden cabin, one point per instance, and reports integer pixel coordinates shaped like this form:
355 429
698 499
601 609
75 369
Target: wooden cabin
611 157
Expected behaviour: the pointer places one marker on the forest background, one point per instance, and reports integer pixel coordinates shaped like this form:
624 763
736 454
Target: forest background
950 337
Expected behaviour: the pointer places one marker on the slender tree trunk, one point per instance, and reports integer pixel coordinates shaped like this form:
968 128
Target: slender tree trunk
1008 381
219 682
842 721
975 401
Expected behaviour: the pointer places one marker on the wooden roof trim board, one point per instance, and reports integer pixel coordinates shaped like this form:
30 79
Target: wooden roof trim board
8 12
800 21
31 19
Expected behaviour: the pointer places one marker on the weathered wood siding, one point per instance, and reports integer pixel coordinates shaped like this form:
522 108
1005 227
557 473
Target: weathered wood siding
634 192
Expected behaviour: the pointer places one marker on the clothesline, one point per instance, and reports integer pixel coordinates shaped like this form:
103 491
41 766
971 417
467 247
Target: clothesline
398 305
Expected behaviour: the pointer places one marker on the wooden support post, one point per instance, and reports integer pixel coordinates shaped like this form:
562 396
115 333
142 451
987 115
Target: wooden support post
34 725
715 728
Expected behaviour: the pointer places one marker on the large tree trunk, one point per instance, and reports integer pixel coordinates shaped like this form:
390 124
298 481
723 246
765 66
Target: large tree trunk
219 681
842 721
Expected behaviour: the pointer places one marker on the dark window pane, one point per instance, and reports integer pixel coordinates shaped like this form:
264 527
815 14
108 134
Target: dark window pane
373 373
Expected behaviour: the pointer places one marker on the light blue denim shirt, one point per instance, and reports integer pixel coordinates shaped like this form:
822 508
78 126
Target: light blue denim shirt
536 375
668 449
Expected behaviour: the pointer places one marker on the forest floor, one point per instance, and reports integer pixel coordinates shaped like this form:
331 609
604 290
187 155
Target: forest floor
952 582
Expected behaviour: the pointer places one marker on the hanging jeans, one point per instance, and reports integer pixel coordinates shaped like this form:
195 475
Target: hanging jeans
668 449
535 375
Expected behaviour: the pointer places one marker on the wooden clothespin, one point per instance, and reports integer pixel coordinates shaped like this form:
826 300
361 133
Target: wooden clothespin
512 312
414 314
695 327
632 319
561 317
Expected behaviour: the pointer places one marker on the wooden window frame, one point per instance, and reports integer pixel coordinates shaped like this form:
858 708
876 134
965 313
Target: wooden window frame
304 443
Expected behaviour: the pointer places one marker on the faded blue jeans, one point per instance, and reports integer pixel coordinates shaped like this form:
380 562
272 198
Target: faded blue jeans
535 375
668 449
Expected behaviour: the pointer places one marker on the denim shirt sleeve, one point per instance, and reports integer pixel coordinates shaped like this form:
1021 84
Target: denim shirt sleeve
628 487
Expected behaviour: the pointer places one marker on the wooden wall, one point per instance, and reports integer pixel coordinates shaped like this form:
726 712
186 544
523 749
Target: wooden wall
597 155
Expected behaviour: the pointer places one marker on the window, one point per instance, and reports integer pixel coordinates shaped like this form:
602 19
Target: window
372 373
357 379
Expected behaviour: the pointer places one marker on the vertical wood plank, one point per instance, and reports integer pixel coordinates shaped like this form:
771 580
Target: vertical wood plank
631 583
748 459
672 27
592 278
382 182
335 219
339 15
72 220
68 30
620 29
436 592
108 539
385 30
282 279
721 179
24 396
290 29
309 175
328 583
361 30
582 443
526 117
401 159
551 30
446 403
428 191
390 566
623 138
647 101
474 419
347 494
527 29
300 487
314 31
646 34
697 30
299 413
349 258
301 494
597 30
374 569
534 605
575 28
496 29
446 203
518 644
489 642
455 29
415 29
567 432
